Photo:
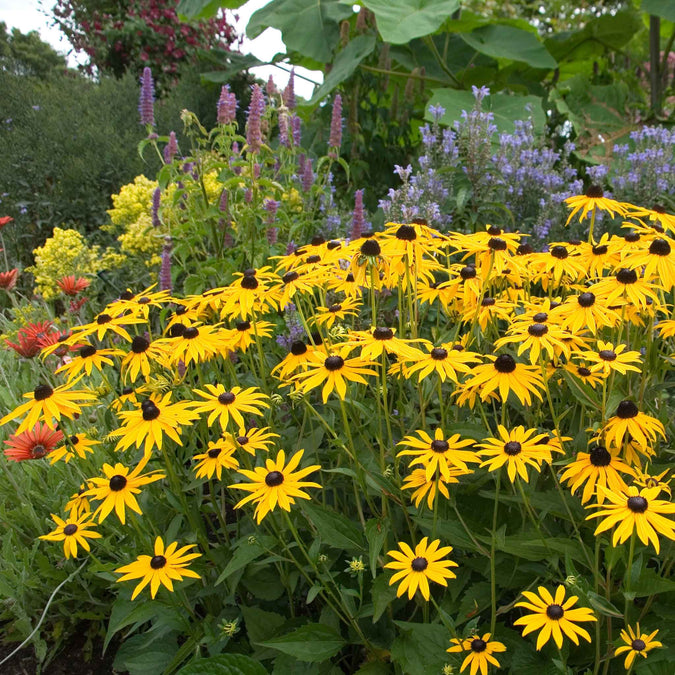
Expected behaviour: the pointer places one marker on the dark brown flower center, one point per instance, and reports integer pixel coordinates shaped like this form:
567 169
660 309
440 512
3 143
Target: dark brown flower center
540 317
103 318
583 371
659 247
177 330
226 398
87 351
439 446
249 283
488 302
468 272
383 333
555 612
638 645
38 451
607 354
317 240
274 478
298 348
289 277
497 244
349 278
406 233
494 231
242 440
127 295
537 329
139 344
335 308
191 333
559 252
524 249
512 448
242 326
42 391
332 245
626 410
150 411
478 645
214 452
637 504
599 456
594 192
334 363
74 440
157 562
144 300
600 250
370 248
439 354
70 529
117 483
419 564
586 299
505 364
626 276
632 237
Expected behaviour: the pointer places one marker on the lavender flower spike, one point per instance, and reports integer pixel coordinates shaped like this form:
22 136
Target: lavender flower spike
171 148
146 102
288 95
165 270
156 199
227 106
307 175
335 139
253 125
358 217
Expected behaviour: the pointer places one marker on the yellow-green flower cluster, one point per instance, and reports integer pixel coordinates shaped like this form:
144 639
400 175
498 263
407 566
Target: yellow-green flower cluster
133 201
143 240
63 253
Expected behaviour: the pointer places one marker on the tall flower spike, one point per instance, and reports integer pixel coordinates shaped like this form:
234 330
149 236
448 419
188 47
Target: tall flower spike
171 148
358 217
253 125
146 103
156 200
307 176
227 106
165 270
335 138
296 124
289 92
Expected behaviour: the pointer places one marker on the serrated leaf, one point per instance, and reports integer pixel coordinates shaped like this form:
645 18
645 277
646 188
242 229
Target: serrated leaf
420 648
224 664
242 556
400 21
376 533
383 595
334 529
603 606
313 642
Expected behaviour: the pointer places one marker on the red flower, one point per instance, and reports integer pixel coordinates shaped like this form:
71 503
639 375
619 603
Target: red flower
32 338
8 279
33 444
4 220
71 285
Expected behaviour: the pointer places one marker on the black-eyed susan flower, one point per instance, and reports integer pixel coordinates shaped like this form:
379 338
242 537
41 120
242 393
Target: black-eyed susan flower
155 417
448 361
118 488
165 566
139 303
33 443
89 358
141 357
48 404
585 311
584 373
297 358
658 262
368 262
416 568
244 333
218 456
635 510
249 294
594 200
504 375
538 338
597 467
253 440
104 323
417 481
489 311
629 421
600 256
78 503
77 444
644 479
479 652
608 358
196 344
276 484
294 282
223 405
517 449
377 341
438 453
637 644
558 266
333 371
327 316
626 284
554 617
73 531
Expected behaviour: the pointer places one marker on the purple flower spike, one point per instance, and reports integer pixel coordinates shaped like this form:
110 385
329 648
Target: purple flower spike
146 102
271 88
272 235
253 125
227 106
156 198
283 130
271 206
335 139
358 217
165 270
295 126
171 148
307 176
288 95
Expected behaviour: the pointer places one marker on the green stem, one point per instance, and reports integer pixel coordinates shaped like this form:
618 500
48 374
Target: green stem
493 546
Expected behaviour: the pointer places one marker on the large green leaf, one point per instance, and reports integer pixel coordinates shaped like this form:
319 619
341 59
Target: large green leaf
506 109
205 9
313 642
400 21
376 533
663 8
420 648
310 27
345 64
224 664
244 554
334 529
507 42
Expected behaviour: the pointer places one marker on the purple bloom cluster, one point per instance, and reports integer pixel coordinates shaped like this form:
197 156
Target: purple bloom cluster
254 123
358 217
227 106
165 269
335 138
146 101
156 199
171 148
271 206
294 326
288 95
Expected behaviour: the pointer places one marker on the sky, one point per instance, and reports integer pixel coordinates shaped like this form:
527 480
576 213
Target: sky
27 15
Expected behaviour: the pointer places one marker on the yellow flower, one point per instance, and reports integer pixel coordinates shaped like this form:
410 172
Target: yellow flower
166 565
72 531
223 405
636 643
215 459
480 650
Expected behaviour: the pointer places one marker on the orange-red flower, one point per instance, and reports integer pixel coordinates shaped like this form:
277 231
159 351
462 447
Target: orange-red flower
72 285
32 444
32 338
8 279
4 220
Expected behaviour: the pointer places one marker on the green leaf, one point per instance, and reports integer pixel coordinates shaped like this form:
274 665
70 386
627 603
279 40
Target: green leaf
243 555
383 595
310 27
230 67
313 642
126 613
261 625
335 530
205 9
603 606
224 664
505 108
651 583
140 658
400 21
420 648
374 668
376 533
663 8
507 42
345 64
